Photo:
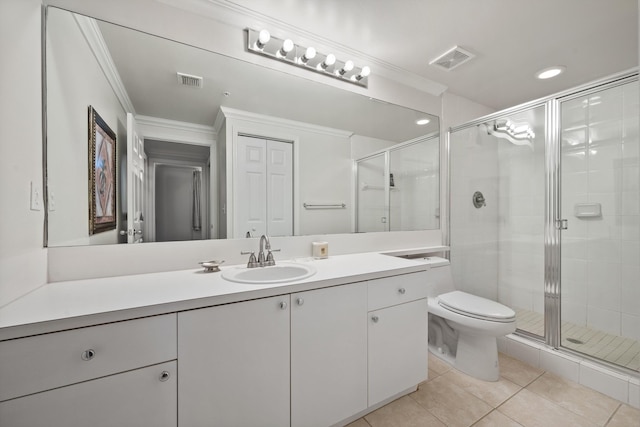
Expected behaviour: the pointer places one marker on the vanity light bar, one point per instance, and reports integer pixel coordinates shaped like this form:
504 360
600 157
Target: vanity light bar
285 50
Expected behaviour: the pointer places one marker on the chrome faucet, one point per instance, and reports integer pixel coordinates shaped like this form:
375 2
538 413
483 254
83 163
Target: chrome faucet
261 261
265 244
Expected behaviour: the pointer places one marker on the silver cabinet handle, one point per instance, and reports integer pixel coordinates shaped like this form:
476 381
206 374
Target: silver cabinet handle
88 354
375 318
283 305
300 301
164 376
402 291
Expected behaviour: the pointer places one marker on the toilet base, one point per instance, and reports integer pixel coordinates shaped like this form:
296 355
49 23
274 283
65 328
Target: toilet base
477 356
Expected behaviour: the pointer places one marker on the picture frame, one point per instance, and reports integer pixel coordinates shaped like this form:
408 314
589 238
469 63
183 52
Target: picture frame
102 175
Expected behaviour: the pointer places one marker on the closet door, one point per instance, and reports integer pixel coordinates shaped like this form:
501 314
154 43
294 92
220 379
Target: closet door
250 184
263 187
279 188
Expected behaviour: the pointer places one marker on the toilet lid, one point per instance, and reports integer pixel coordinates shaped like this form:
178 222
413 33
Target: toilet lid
474 306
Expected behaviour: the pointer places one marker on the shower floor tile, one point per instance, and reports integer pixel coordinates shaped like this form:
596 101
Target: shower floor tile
611 348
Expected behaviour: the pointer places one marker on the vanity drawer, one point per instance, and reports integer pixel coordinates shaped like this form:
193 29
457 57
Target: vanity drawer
33 364
395 290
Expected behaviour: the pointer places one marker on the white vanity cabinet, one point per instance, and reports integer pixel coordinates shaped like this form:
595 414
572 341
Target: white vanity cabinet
328 354
116 374
234 364
397 335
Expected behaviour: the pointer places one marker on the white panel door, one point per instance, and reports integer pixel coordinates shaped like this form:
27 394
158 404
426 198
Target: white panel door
397 349
135 182
279 188
250 184
234 364
328 354
143 397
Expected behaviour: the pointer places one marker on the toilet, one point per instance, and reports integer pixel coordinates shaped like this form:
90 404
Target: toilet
463 328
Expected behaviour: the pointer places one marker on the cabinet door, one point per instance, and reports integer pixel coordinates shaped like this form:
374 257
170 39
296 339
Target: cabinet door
143 397
328 355
234 364
397 349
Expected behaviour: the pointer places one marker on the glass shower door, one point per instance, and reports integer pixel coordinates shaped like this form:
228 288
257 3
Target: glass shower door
372 194
600 257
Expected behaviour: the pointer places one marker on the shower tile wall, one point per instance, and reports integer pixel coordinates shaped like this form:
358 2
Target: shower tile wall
601 255
474 232
521 218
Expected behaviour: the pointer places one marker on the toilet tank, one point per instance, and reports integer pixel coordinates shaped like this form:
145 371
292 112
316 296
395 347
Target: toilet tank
439 276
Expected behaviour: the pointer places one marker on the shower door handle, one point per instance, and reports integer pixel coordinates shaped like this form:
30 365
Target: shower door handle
562 224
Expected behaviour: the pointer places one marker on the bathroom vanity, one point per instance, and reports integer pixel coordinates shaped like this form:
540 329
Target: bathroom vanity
319 351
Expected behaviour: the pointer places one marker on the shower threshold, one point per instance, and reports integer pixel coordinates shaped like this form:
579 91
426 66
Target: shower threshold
611 348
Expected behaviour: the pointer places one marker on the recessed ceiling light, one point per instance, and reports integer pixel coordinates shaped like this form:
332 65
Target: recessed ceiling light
550 72
422 122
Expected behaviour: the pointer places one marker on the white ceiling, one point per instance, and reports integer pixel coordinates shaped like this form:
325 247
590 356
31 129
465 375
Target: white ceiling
512 39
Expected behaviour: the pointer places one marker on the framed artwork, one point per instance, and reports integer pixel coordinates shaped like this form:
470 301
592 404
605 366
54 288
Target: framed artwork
102 175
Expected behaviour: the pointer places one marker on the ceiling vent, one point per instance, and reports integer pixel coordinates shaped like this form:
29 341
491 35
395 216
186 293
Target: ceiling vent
452 58
190 80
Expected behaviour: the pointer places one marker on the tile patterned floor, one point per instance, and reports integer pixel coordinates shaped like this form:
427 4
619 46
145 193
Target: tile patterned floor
612 348
524 396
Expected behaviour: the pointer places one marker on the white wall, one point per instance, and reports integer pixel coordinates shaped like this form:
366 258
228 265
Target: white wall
23 261
73 88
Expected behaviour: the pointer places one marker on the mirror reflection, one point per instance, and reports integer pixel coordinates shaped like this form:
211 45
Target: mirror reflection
210 147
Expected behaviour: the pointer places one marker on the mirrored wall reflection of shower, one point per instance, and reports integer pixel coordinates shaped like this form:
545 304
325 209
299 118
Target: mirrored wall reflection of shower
397 189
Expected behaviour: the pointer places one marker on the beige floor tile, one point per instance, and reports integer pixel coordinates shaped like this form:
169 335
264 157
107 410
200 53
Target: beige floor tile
404 412
532 410
577 398
496 419
450 403
359 423
516 371
437 365
492 392
626 416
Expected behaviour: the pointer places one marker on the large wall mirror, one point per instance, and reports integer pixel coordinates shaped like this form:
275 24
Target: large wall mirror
191 144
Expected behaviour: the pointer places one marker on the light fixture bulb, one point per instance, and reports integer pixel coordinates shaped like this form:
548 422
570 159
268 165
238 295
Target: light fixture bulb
287 46
348 66
263 39
363 73
310 53
328 61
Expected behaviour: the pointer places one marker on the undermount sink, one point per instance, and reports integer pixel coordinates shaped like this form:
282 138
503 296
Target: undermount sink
282 272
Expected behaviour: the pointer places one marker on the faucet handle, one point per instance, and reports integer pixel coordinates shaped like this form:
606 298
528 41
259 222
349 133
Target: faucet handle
270 261
252 259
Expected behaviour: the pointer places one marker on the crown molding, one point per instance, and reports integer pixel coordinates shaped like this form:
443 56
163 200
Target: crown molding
92 34
232 113
240 17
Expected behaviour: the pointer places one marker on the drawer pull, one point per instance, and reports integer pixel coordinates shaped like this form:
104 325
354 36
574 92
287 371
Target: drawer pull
375 318
88 354
402 291
300 301
164 376
283 305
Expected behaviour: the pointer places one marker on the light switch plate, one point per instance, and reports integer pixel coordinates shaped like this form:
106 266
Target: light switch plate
36 196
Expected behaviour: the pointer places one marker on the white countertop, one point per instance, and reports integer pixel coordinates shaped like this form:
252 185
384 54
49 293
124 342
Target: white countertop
66 305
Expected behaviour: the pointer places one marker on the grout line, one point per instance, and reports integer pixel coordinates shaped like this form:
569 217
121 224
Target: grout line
613 414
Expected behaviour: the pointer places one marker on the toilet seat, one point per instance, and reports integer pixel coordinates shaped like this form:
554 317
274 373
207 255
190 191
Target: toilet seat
476 307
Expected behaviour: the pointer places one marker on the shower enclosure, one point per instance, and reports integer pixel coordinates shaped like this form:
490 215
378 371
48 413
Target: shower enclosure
545 217
397 189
